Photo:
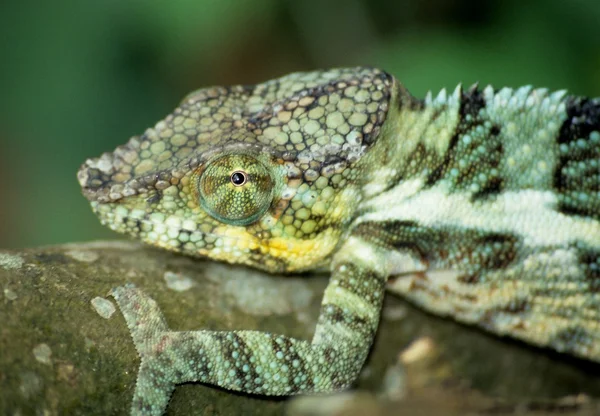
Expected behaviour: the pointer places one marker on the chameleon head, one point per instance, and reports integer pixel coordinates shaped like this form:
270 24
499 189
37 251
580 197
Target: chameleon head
266 175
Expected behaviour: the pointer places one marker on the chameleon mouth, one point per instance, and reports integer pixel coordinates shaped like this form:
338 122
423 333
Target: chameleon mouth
170 232
103 179
217 242
224 243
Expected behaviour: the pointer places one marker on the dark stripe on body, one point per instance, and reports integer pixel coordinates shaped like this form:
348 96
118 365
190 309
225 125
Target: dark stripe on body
488 252
466 156
471 103
589 260
446 246
583 117
577 170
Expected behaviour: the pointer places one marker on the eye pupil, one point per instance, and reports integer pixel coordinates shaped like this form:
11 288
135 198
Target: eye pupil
238 178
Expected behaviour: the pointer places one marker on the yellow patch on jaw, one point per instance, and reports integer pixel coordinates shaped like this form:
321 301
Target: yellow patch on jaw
299 253
302 253
293 248
238 237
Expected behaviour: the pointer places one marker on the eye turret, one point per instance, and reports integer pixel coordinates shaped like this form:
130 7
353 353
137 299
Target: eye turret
236 189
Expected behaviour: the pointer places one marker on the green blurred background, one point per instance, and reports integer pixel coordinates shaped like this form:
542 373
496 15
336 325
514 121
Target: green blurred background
80 77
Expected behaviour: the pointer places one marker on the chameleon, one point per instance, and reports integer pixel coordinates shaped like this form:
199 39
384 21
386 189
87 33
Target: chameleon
478 204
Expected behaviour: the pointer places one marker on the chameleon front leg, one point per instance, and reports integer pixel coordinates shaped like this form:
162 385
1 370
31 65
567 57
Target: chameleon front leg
258 362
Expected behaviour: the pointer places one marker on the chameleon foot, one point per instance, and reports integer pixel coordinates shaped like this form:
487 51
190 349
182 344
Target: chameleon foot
147 325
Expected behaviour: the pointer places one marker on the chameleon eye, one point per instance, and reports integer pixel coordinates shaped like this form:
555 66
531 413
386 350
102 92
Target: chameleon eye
239 178
236 189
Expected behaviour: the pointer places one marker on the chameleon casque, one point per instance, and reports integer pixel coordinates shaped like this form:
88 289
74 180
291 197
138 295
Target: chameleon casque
480 204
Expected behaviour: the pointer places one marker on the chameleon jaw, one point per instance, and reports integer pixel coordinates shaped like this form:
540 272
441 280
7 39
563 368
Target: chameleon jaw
221 242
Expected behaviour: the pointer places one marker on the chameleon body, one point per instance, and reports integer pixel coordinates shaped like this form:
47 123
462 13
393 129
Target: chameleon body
479 204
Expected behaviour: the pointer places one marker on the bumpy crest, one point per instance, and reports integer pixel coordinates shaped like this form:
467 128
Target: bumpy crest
314 119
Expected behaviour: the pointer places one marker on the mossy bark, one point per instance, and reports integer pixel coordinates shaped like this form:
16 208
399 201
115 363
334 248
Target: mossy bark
65 349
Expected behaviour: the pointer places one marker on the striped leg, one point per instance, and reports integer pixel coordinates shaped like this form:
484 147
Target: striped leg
257 362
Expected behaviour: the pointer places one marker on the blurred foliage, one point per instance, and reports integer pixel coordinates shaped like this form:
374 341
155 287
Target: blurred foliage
79 77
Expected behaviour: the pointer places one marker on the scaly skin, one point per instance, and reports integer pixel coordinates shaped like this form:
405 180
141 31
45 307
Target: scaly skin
484 205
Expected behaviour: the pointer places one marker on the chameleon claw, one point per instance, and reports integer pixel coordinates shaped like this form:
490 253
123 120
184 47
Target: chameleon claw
142 315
